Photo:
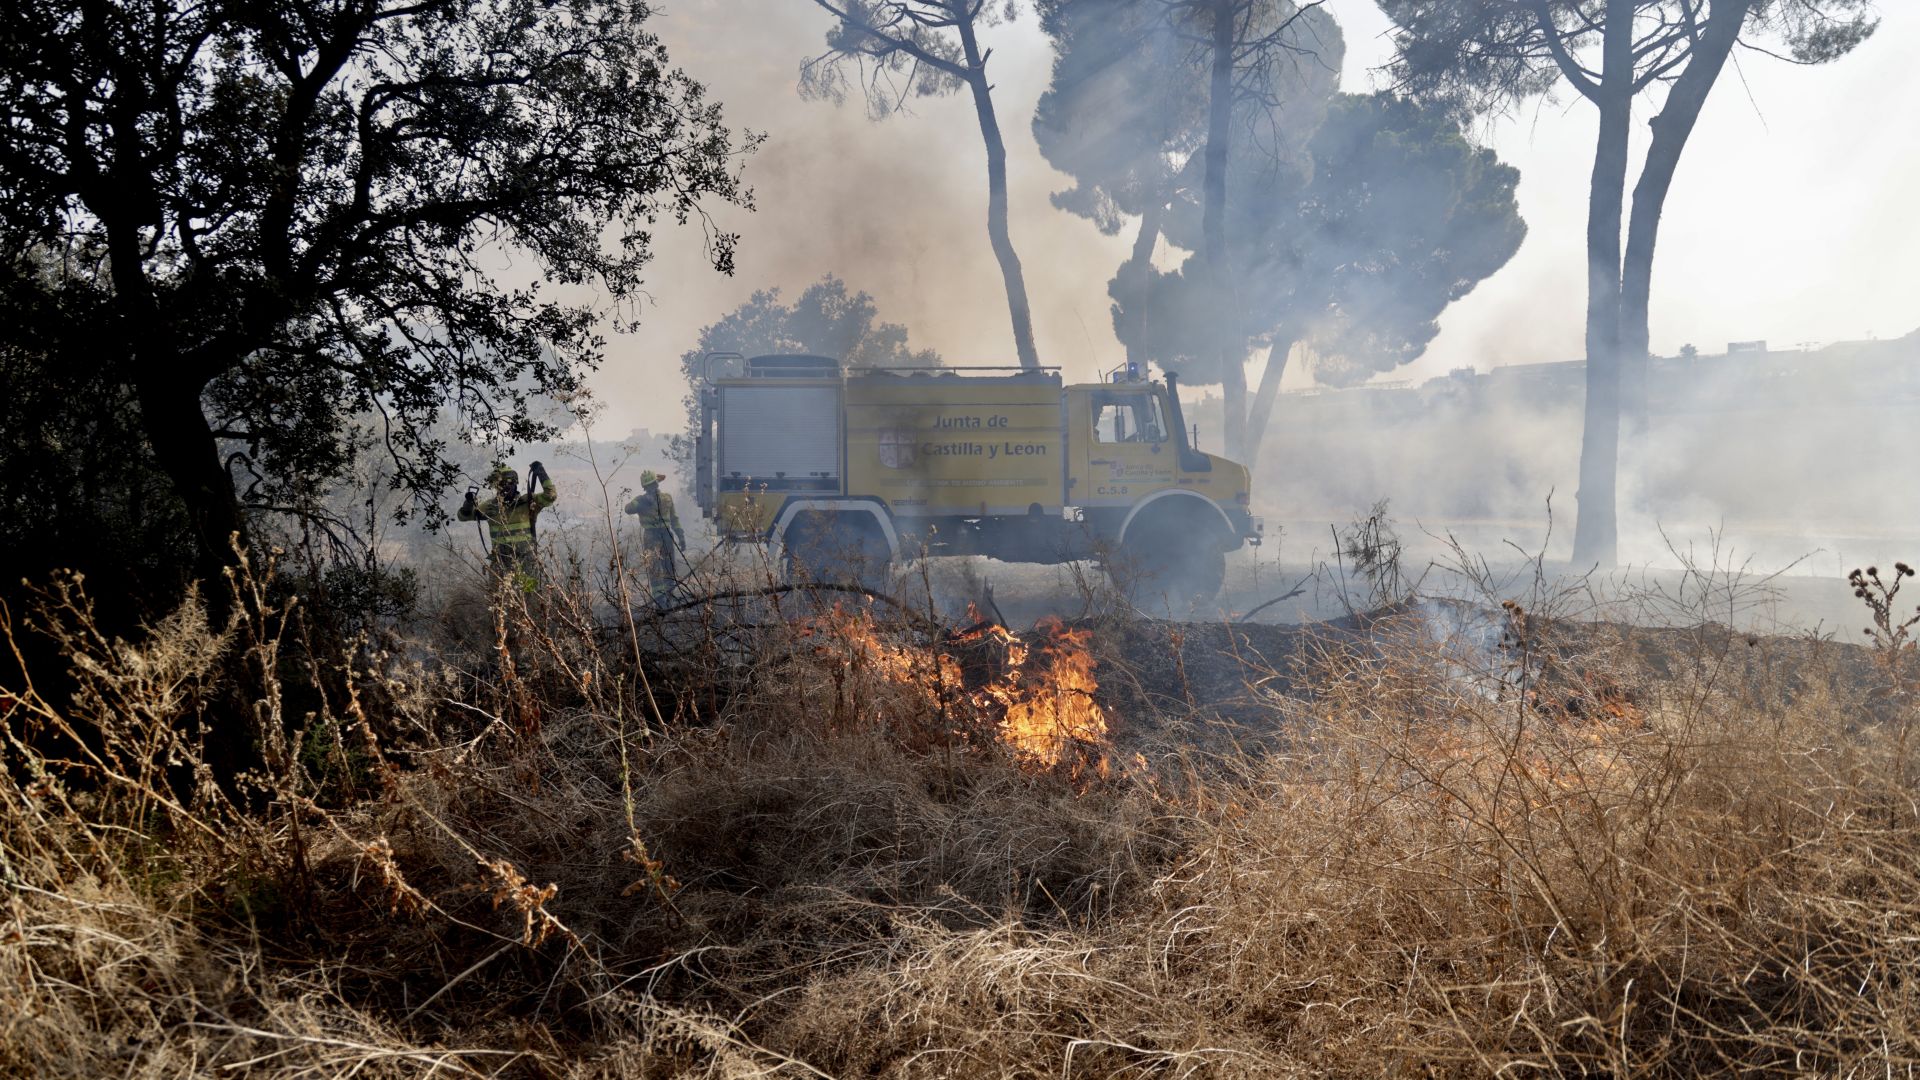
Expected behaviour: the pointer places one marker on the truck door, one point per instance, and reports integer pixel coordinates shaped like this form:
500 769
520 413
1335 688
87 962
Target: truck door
1129 450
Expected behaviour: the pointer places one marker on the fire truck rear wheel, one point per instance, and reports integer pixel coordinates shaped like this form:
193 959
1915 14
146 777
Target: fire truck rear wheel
838 549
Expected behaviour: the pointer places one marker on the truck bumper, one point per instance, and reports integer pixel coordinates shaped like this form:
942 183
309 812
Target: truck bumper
1251 529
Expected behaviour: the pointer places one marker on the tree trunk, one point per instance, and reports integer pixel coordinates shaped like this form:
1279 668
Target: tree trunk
1671 129
1140 277
1213 230
1266 395
185 449
168 391
1596 535
1016 282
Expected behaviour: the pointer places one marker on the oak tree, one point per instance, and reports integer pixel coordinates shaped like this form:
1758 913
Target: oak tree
283 215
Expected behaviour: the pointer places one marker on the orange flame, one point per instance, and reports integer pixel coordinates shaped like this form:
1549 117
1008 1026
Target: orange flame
1052 711
1039 702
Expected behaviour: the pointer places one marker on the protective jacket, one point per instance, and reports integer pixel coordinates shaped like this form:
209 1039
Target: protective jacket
657 518
660 528
510 523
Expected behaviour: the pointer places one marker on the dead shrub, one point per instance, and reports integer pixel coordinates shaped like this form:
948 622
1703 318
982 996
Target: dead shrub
731 840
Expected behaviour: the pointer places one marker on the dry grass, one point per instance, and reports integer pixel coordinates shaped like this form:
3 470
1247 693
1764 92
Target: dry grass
732 843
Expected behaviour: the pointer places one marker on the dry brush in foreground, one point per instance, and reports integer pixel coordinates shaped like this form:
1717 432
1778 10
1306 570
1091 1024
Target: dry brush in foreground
743 847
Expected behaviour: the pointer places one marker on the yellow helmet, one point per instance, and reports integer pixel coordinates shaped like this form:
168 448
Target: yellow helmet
650 478
501 474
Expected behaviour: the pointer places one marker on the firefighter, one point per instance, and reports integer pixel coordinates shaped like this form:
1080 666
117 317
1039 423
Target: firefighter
511 518
660 534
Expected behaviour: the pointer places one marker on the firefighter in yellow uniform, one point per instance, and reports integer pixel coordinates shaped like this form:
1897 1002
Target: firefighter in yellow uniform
511 521
660 534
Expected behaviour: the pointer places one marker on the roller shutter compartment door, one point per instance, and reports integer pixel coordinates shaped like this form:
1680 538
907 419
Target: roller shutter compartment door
780 429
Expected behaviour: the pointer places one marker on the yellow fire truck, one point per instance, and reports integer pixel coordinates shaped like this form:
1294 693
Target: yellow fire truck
848 471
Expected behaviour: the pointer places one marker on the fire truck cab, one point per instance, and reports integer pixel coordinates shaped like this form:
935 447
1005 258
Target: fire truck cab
846 472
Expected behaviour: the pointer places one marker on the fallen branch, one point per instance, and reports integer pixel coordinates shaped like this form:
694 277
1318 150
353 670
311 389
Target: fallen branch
1298 588
804 587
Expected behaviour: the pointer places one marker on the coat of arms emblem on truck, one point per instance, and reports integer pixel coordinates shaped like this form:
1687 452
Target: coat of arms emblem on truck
896 447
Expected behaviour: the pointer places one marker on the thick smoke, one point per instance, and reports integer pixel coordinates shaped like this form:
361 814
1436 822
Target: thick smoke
1787 222
1788 452
895 207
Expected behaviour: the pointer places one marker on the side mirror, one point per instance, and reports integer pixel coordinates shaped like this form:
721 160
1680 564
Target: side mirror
1191 460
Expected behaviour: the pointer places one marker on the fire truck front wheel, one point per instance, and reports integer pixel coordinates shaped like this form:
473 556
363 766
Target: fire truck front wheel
838 549
1171 561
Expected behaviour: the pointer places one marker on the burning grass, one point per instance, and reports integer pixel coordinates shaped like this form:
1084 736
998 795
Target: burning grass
1038 698
816 842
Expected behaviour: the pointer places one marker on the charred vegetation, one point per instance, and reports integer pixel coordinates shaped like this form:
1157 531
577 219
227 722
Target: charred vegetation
790 831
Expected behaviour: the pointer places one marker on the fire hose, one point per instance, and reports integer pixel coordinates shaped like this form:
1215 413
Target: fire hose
680 580
479 522
533 508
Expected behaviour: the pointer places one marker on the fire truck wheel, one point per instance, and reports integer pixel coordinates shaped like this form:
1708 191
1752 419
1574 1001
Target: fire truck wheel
837 549
1168 562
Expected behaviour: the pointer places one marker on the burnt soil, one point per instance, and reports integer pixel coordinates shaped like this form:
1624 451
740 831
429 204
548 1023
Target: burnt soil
1239 682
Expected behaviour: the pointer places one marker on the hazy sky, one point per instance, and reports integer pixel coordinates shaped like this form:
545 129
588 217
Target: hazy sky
1791 218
